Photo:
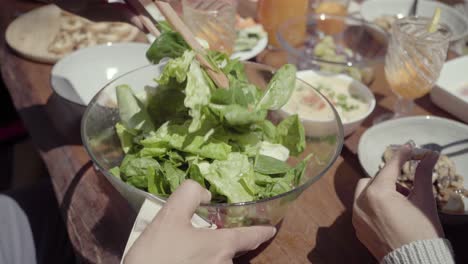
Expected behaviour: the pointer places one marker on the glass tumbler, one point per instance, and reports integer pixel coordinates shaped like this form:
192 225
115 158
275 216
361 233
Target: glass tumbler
414 60
213 21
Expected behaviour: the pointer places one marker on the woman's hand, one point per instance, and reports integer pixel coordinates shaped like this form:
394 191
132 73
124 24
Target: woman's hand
171 238
384 218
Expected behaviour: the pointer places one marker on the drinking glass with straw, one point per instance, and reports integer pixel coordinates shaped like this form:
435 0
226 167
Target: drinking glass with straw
416 53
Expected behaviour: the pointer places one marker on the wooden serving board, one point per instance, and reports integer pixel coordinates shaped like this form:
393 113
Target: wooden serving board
32 34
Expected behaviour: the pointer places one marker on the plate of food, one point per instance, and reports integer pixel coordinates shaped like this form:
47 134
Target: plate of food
450 175
229 140
251 39
48 33
353 100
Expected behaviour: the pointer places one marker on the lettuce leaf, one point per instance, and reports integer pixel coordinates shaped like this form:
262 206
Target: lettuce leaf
176 68
177 137
174 175
195 174
132 111
197 95
276 151
125 136
291 134
159 110
237 115
224 176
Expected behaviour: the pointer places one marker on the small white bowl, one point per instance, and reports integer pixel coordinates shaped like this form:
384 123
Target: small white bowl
79 76
454 19
447 94
356 87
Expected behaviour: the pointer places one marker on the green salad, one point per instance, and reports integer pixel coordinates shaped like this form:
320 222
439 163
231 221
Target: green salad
187 128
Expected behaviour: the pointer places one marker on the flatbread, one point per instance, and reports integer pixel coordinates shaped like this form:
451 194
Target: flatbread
48 33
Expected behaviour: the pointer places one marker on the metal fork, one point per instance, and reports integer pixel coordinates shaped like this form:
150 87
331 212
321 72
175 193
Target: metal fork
439 148
413 9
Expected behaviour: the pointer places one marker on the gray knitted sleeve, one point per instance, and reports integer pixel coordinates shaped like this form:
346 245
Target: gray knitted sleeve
434 251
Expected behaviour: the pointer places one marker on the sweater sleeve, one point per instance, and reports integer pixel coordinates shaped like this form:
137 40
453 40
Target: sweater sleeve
433 251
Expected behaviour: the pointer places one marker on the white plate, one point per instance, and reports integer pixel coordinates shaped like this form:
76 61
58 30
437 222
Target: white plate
241 55
80 75
354 7
249 54
454 19
448 92
421 129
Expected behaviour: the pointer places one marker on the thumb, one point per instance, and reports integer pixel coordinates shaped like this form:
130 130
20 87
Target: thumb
422 189
246 238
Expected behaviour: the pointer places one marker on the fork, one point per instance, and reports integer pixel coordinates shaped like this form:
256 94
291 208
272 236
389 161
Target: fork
439 148
413 9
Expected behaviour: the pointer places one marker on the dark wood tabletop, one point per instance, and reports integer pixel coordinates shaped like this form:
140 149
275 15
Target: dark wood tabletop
316 229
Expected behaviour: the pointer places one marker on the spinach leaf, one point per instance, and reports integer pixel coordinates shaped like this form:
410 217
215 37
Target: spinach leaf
279 89
268 165
169 44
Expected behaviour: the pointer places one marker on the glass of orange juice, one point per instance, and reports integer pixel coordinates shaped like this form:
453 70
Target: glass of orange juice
273 13
331 7
413 62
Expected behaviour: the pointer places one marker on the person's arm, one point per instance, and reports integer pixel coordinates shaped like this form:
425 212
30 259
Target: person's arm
430 251
397 228
171 239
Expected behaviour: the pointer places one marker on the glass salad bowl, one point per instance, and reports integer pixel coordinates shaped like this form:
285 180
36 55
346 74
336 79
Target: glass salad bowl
102 143
334 44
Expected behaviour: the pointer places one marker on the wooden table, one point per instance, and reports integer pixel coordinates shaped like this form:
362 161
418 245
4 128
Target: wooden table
317 228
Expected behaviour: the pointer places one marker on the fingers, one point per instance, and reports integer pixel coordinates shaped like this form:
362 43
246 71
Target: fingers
389 174
423 177
246 238
182 204
361 185
402 189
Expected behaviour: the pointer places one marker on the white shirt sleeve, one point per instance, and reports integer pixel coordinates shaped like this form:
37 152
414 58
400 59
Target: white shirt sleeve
432 251
16 240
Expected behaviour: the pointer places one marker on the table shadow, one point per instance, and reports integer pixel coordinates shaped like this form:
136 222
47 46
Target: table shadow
249 256
113 228
55 124
332 242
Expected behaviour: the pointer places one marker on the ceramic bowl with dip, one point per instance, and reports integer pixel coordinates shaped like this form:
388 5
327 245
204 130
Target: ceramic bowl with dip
353 101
